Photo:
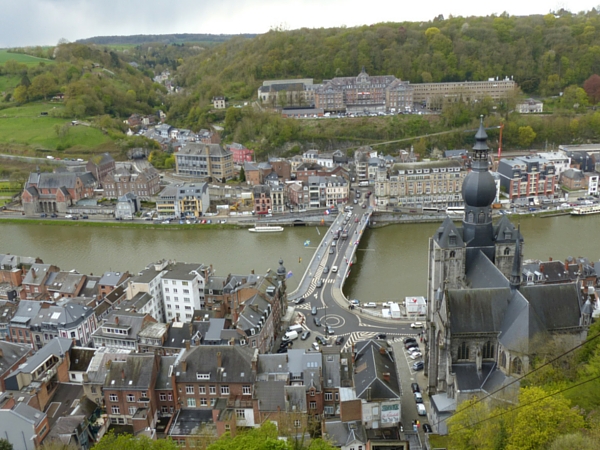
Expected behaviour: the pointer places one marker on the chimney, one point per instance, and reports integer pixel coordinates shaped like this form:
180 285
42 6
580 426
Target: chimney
117 320
122 374
252 271
184 366
219 360
191 326
550 259
386 376
542 268
187 345
382 351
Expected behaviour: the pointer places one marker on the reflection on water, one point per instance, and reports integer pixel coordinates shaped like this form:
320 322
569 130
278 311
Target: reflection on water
392 261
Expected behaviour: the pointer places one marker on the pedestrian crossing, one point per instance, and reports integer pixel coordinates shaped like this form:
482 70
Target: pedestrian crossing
357 336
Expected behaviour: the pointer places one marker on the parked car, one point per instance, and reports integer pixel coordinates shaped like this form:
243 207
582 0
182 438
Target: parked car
84 216
421 409
339 340
74 218
415 387
282 350
371 305
313 311
330 330
44 215
381 336
355 302
417 325
305 335
68 216
54 216
415 355
410 344
418 365
321 340
418 397
427 428
317 321
315 345
409 339
412 350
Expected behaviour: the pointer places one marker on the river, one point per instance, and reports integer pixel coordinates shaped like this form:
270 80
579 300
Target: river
392 261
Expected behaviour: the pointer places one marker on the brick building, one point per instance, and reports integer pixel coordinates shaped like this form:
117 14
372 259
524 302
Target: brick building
55 192
527 177
142 184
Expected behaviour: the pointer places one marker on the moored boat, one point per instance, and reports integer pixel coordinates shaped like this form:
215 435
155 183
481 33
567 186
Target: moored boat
585 210
265 229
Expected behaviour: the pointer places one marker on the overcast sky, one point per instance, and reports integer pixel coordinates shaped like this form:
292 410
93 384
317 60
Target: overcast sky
44 22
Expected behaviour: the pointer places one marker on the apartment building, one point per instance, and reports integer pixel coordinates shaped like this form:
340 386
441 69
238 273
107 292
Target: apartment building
204 161
327 191
187 200
429 184
148 283
144 184
183 290
527 177
434 95
120 330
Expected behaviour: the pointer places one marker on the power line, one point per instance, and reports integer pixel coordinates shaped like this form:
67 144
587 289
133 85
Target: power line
526 404
479 400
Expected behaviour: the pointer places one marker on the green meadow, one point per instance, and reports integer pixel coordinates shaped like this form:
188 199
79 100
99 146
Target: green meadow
21 58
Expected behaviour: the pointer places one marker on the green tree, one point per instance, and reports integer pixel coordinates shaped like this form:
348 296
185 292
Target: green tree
128 442
43 85
20 94
265 437
541 419
5 445
242 176
526 136
575 98
574 440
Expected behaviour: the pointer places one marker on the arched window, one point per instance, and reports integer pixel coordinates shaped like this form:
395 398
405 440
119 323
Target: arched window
471 217
517 366
463 351
503 359
452 254
488 350
507 251
481 218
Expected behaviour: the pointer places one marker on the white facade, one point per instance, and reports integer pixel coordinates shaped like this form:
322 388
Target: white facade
82 332
182 295
561 161
380 414
593 184
325 160
415 306
155 307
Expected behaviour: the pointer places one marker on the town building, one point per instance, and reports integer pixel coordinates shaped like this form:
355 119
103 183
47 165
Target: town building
434 185
109 282
483 323
327 191
297 195
127 206
219 102
435 95
64 284
35 282
287 93
261 199
147 283
71 321
101 166
13 268
530 106
120 329
187 200
527 177
144 184
56 192
240 153
183 290
11 357
21 425
204 161
559 160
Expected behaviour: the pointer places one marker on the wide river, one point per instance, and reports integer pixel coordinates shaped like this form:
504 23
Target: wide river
392 261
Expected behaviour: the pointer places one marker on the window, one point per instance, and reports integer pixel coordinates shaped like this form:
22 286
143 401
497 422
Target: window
212 390
189 389
113 398
328 396
337 396
506 251
170 396
130 398
488 350
201 389
517 366
328 410
224 390
463 351
132 410
246 390
191 402
240 413
297 423
203 402
313 405
203 376
115 409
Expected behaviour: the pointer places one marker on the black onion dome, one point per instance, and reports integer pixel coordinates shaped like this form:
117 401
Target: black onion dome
479 189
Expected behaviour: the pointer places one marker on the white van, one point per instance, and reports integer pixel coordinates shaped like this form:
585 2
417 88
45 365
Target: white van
290 336
296 328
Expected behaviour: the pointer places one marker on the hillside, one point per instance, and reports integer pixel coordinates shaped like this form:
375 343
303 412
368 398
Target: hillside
138 39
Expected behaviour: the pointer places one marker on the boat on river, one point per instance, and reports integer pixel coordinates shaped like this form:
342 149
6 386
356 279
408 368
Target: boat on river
265 229
585 210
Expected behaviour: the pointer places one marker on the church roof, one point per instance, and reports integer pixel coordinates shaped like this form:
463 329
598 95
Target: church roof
477 310
505 231
446 231
482 273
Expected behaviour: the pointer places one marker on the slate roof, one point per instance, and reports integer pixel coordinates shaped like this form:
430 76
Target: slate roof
505 231
48 180
138 371
11 353
163 380
482 273
28 413
179 332
187 422
479 310
64 282
343 434
110 278
369 368
557 306
270 395
296 398
58 347
35 275
467 376
236 366
447 230
65 399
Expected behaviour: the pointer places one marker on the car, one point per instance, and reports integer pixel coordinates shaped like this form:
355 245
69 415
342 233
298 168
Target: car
285 343
54 216
363 206
417 325
386 304
166 222
419 365
315 346
330 330
282 350
299 301
355 302
317 321
74 218
84 216
334 269
427 428
418 397
321 340
356 220
371 305
305 335
319 283
69 216
415 387
421 409
355 201
339 340
331 250
415 355
412 350
313 311
326 269
148 218
44 215
409 339
410 344
381 336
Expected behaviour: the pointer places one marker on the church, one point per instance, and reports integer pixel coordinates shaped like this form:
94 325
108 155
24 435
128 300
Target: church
483 323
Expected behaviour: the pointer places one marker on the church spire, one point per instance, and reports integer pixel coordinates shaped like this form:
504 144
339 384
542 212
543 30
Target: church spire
515 276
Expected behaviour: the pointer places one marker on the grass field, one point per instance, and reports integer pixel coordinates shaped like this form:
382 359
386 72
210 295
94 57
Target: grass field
24 125
23 59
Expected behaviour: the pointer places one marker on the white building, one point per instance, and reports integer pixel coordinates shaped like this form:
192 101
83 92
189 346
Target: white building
148 282
183 290
530 106
561 161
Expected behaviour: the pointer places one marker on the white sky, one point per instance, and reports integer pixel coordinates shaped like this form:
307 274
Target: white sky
44 22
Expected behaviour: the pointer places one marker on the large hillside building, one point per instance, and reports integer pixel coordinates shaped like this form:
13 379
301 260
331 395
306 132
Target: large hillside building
483 324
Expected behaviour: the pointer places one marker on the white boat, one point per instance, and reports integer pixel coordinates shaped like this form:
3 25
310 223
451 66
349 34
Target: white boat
585 210
265 229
